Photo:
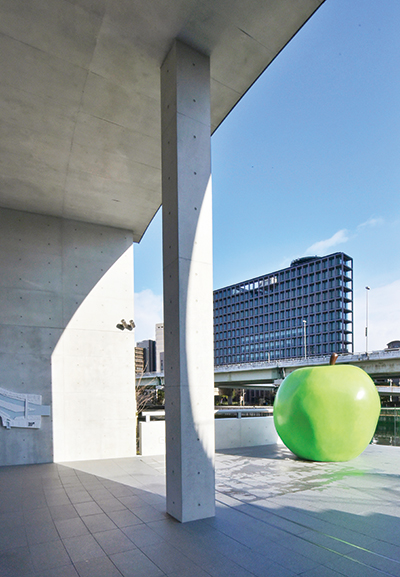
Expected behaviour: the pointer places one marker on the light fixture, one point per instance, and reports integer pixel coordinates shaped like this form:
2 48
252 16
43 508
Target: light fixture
124 325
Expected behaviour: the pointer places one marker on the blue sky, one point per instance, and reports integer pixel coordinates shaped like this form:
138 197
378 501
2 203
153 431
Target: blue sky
309 163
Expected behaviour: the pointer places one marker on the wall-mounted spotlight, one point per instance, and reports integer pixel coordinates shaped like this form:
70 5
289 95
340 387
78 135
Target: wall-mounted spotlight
124 325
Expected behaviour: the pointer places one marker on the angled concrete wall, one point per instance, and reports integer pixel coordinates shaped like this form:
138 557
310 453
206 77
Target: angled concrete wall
63 287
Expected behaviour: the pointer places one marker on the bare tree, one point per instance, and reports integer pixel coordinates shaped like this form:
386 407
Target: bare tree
146 396
144 392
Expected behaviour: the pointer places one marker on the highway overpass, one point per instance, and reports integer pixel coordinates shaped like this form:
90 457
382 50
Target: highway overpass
380 365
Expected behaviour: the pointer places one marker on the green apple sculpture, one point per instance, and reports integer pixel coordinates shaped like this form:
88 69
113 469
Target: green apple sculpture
327 413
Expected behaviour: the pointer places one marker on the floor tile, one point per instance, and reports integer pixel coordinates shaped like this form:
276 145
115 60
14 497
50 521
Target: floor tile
97 523
63 571
83 548
149 513
124 518
142 535
37 516
98 567
135 564
110 504
59 512
321 572
53 500
131 501
34 502
8 520
79 497
16 563
41 533
71 527
114 541
167 558
192 572
119 490
49 555
12 538
88 508
10 502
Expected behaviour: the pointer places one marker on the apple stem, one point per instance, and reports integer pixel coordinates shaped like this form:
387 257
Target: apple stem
333 359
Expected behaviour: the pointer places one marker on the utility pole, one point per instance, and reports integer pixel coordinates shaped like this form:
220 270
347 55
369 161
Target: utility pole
367 289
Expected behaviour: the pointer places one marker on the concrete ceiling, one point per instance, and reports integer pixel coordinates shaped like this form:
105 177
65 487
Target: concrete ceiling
79 94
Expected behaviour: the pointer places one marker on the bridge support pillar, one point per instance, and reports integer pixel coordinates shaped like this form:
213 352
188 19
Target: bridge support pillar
188 306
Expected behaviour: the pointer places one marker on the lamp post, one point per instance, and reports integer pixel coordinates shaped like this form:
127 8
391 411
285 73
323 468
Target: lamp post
305 338
367 289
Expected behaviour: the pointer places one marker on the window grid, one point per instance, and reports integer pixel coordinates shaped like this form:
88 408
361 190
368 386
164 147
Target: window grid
272 308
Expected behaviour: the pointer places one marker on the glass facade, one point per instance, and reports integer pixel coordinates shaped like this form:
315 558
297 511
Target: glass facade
305 309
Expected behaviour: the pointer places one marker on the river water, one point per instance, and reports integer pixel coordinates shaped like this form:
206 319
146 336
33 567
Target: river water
388 428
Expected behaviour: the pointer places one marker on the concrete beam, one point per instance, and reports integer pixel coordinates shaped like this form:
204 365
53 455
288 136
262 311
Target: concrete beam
188 307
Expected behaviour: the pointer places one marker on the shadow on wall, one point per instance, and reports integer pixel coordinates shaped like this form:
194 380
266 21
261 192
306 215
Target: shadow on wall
57 314
94 411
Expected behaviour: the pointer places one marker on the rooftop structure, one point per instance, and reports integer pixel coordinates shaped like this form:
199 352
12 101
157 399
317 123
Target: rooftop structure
303 310
159 347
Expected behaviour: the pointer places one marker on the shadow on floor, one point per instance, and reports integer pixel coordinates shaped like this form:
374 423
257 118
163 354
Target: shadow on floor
276 516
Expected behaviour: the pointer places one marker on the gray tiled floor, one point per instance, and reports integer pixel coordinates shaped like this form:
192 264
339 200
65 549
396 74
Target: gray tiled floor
276 516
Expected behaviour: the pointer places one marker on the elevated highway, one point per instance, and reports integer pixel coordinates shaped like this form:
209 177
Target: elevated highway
380 365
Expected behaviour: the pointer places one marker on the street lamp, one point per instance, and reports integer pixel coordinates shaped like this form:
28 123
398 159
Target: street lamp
305 338
367 289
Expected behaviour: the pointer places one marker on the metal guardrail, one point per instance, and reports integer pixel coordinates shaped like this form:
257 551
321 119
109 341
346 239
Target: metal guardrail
240 412
312 360
390 412
291 363
243 412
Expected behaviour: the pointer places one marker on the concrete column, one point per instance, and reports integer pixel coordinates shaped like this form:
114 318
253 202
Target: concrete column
188 313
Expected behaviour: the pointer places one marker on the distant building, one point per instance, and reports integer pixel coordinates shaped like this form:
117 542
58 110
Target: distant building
149 348
159 347
139 360
305 309
393 345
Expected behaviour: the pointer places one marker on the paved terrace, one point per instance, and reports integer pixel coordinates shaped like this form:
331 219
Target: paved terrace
277 516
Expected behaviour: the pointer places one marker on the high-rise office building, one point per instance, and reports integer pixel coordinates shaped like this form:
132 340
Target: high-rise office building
159 347
303 310
149 353
140 363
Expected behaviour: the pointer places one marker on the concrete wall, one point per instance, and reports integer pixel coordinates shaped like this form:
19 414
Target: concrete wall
63 287
229 434
245 432
152 438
